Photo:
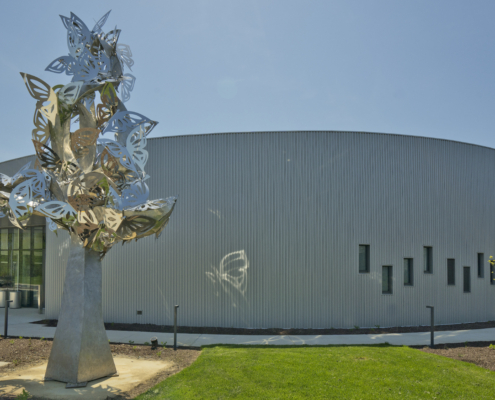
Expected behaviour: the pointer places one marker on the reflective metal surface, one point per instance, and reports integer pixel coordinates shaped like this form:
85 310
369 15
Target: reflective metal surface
80 350
100 199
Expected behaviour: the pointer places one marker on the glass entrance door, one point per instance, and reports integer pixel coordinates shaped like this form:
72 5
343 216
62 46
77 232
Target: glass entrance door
22 263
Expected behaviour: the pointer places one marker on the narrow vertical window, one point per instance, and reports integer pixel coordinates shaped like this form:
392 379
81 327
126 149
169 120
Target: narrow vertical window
481 272
467 279
364 258
408 271
428 254
450 271
387 279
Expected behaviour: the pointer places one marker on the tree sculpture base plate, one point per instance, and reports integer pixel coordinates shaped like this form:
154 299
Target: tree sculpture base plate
80 351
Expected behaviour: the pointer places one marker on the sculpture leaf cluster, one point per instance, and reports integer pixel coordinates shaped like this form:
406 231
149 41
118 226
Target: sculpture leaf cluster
101 197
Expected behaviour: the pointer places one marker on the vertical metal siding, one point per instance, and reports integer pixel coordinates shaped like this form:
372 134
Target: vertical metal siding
298 204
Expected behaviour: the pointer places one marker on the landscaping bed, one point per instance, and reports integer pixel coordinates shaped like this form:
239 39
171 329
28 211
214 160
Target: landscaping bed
479 353
111 326
25 352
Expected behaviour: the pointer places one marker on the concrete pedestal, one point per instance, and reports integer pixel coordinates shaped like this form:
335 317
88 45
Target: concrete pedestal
81 351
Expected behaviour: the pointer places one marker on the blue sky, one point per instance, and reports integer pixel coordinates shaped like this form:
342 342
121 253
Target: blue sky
420 67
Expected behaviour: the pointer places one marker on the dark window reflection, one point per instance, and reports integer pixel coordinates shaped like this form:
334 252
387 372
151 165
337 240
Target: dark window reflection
22 261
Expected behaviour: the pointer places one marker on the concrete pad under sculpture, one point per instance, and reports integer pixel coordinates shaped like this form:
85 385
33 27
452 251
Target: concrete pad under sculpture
132 373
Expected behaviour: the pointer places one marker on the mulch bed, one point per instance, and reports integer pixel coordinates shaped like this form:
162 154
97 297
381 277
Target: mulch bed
279 331
478 353
23 353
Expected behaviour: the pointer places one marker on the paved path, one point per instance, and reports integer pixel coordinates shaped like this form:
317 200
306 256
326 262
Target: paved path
19 325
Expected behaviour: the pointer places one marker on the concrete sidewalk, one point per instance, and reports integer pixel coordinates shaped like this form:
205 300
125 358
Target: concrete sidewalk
19 325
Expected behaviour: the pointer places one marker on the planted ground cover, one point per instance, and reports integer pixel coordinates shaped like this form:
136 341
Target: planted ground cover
329 372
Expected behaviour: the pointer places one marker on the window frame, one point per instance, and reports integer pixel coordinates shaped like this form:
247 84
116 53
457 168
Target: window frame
481 265
410 270
367 259
428 259
390 279
464 269
449 283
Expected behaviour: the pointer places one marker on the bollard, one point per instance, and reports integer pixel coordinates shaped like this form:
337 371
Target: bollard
6 318
175 327
432 332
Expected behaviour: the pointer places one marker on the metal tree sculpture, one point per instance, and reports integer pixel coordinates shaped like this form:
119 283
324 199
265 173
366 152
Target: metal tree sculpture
100 199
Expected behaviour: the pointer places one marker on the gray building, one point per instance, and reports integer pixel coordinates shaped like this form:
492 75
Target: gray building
293 230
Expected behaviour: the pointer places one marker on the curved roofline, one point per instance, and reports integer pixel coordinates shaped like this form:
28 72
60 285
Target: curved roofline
18 158
305 131
320 131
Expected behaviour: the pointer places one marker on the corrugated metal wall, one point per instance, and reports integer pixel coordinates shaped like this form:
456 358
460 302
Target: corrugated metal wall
267 227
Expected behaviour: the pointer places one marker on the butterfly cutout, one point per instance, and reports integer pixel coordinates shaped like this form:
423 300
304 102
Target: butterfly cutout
41 132
48 158
57 210
62 64
126 86
52 162
136 193
82 143
123 122
78 34
70 92
52 226
41 91
13 220
120 152
100 23
113 219
20 201
134 226
136 142
125 55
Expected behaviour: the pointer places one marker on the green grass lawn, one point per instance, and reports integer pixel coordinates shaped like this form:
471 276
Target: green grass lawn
329 372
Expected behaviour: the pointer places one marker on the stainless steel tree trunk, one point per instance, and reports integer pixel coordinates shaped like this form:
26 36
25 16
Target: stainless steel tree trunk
81 351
